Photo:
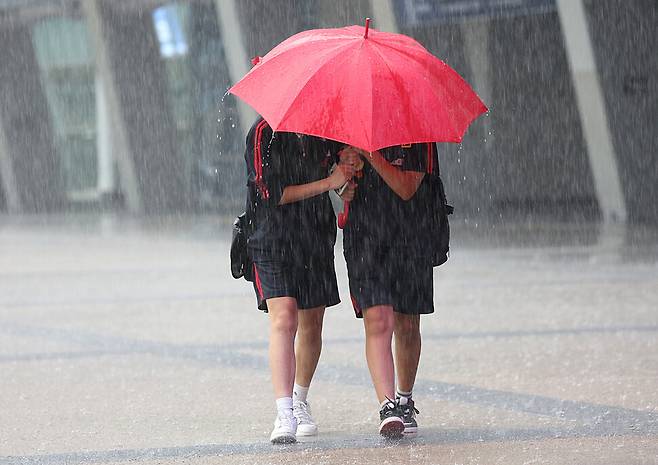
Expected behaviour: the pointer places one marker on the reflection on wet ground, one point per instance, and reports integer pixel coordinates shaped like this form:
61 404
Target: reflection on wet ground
125 340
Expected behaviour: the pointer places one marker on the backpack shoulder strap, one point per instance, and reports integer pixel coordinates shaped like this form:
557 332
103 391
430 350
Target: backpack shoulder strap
432 162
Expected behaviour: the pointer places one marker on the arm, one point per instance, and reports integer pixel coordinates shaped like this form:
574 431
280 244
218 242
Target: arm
340 176
266 154
403 183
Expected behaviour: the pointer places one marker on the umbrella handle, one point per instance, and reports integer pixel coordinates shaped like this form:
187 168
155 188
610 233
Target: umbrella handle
342 216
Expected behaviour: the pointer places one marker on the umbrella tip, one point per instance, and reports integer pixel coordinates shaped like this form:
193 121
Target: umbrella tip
255 60
365 36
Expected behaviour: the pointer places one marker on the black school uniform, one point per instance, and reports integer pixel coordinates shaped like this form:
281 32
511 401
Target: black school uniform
386 237
292 245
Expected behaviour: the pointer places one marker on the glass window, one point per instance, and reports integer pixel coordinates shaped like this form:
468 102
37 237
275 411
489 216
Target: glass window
67 70
168 22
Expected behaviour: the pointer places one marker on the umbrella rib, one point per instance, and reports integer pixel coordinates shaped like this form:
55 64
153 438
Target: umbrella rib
326 63
311 37
336 50
326 40
392 73
436 90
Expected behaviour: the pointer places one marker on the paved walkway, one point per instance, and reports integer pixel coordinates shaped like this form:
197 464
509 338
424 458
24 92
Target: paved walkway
125 341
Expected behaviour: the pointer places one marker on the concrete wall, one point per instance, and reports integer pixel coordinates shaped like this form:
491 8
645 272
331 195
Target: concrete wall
140 78
527 156
218 139
625 35
28 135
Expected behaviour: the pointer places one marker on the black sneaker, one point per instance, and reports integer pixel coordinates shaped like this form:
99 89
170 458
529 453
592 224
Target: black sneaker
408 412
391 426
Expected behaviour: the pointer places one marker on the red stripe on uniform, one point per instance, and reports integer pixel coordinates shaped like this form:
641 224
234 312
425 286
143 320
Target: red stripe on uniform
259 286
357 310
258 159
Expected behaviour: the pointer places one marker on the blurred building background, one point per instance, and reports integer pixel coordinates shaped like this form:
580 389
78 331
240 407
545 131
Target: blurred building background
120 105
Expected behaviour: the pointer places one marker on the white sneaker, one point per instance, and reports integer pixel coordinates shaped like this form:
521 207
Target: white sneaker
305 424
285 428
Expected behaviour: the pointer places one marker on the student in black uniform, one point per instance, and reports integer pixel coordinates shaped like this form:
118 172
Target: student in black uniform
291 240
390 271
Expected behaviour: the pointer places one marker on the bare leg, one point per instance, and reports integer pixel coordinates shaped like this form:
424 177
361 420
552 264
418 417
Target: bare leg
308 344
379 322
407 349
283 325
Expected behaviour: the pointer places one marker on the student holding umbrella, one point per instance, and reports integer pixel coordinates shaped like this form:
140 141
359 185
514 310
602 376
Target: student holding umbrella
390 271
291 240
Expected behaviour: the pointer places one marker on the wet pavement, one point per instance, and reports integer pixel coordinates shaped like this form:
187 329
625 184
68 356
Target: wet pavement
127 341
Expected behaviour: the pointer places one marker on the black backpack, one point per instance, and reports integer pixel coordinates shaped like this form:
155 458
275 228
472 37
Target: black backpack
439 224
241 265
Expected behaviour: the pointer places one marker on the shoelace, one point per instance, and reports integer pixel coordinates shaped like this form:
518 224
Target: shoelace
302 413
285 419
390 406
407 407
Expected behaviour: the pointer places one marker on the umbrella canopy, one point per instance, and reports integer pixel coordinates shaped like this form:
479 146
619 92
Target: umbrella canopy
359 86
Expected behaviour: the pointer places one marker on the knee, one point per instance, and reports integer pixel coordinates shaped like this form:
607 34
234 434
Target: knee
407 326
284 322
284 325
379 322
310 321
310 329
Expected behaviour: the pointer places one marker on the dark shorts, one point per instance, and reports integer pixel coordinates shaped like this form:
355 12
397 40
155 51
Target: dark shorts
390 277
312 286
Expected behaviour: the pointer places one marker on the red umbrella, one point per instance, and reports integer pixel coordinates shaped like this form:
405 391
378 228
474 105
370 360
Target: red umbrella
363 87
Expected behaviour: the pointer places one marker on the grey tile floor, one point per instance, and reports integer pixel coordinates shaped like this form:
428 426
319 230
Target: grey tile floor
127 341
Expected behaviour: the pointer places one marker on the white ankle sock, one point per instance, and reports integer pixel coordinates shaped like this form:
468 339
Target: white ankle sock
284 403
399 393
299 392
384 403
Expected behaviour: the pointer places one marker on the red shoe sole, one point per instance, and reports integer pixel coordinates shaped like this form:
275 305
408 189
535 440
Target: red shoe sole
391 428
